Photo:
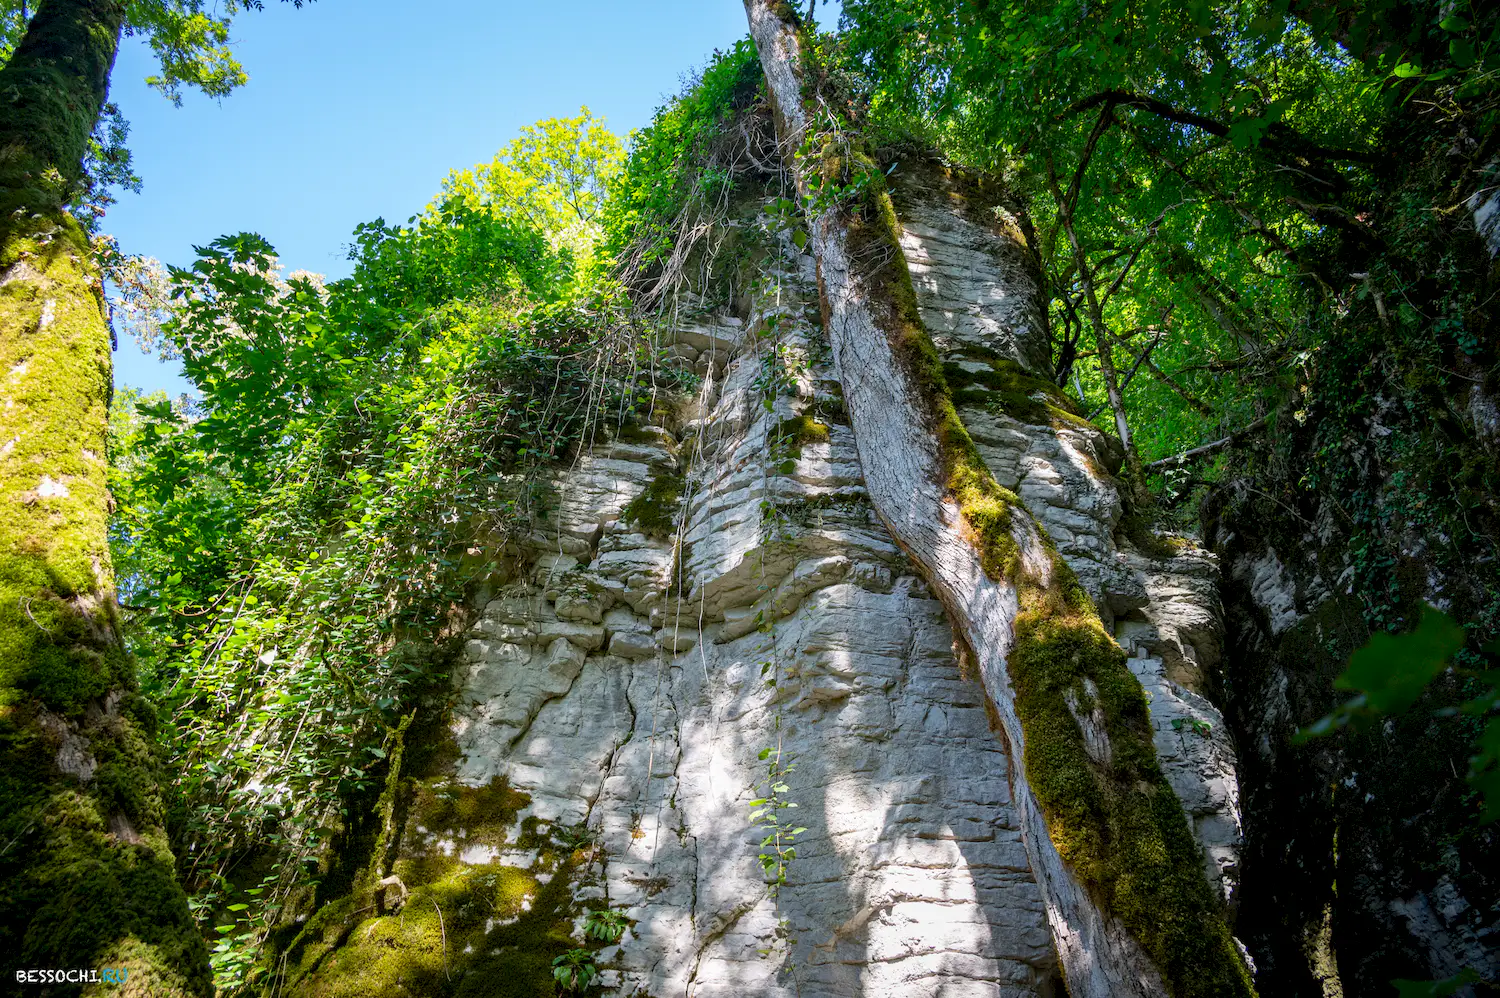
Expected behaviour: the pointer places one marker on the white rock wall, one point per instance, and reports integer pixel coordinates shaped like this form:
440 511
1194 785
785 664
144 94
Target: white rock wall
623 684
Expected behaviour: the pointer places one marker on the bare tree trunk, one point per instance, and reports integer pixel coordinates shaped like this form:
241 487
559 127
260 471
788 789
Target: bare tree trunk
86 874
1043 655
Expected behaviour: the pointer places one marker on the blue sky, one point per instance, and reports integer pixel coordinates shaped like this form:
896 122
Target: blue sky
359 108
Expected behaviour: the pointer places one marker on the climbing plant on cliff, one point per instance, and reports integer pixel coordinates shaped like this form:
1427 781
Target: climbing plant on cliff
298 543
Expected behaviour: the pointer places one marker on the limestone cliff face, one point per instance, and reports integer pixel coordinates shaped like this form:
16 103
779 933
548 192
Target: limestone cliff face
626 688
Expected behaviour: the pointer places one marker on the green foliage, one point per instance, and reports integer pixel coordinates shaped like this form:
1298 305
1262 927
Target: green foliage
671 166
1437 989
552 177
1392 672
1223 165
605 924
778 846
291 541
574 970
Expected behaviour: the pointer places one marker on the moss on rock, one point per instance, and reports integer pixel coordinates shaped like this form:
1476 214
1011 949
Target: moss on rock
793 432
654 511
1115 820
1007 388
473 924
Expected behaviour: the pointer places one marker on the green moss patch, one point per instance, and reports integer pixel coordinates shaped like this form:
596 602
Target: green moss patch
87 878
1137 529
487 929
57 629
466 929
792 433
654 511
634 433
811 513
1116 823
1007 388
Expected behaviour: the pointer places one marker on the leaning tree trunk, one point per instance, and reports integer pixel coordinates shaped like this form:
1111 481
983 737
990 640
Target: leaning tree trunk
1129 909
86 875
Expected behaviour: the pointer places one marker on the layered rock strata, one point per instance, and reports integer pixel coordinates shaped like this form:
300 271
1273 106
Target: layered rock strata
638 682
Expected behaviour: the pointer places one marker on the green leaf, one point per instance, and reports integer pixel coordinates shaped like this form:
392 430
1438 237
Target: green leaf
1407 70
1453 23
1393 669
1436 989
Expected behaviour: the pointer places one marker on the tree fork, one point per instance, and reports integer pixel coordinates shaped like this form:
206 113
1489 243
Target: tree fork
1033 630
87 877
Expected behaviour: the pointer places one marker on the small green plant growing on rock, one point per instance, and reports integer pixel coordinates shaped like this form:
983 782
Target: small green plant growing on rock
606 925
778 847
574 970
1200 728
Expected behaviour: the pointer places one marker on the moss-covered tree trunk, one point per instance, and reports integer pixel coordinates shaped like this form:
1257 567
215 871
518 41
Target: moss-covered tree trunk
86 875
1130 911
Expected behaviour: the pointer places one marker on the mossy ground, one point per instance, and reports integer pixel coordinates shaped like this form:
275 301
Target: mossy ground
1118 825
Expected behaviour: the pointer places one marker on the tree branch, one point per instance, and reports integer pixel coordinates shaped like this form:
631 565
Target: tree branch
1279 137
1213 447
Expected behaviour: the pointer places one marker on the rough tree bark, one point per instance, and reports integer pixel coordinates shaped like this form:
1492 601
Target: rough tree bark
86 874
1043 656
